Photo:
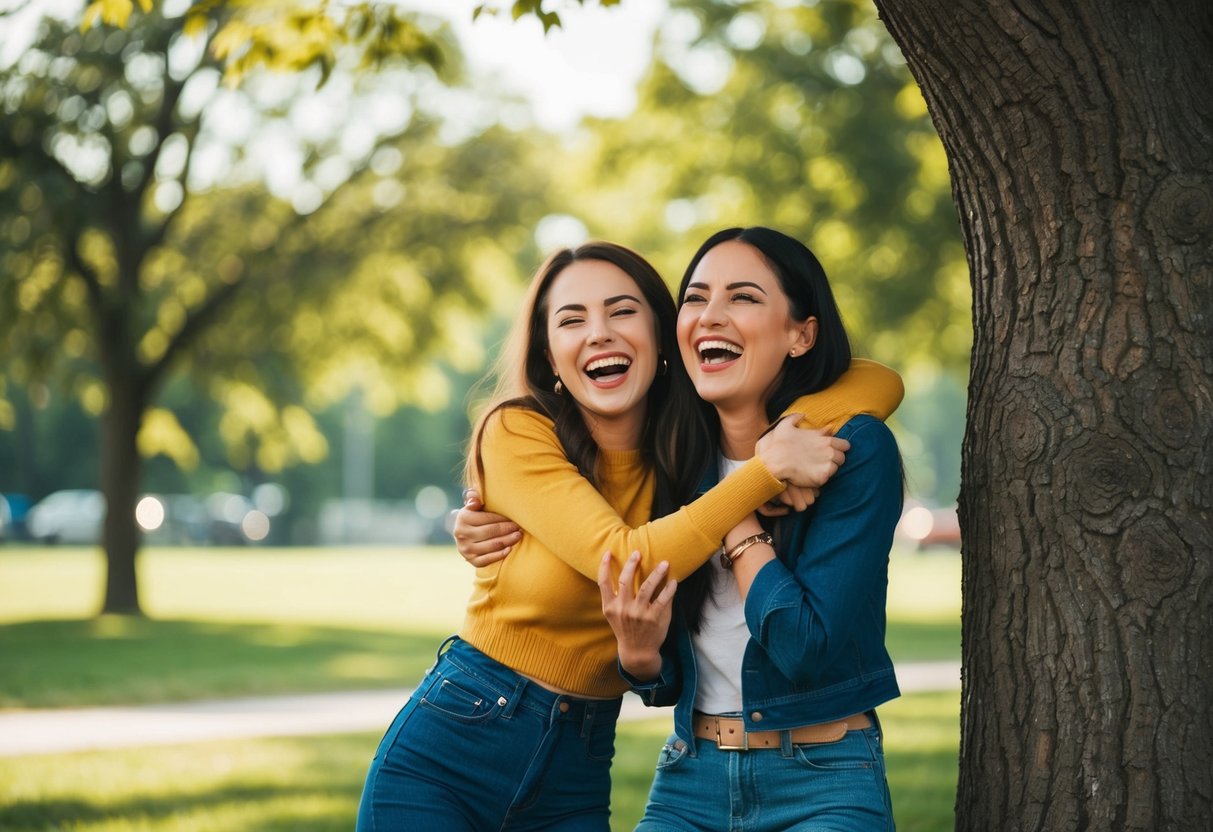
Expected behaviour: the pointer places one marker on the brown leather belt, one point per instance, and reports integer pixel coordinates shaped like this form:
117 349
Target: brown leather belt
729 733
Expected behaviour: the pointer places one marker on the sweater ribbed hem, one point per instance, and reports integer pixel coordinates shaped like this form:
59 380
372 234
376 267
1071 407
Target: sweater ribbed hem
585 669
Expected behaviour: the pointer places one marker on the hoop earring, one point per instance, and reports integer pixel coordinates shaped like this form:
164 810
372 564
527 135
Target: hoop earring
558 388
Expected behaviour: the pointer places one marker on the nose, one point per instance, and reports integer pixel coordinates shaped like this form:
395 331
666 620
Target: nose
599 330
714 313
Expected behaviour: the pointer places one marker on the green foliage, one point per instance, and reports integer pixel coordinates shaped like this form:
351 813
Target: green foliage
804 117
531 8
119 250
292 37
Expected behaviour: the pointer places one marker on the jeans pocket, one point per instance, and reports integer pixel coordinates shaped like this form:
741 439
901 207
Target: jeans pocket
853 752
456 702
673 753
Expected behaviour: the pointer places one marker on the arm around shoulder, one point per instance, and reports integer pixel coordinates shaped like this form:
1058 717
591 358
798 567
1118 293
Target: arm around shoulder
867 387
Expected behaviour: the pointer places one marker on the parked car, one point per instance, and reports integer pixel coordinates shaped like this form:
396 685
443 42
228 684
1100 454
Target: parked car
13 511
72 516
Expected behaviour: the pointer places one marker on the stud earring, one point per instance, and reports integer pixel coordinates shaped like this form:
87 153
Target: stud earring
663 367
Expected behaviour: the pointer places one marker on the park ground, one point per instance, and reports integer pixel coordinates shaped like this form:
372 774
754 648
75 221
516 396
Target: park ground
251 623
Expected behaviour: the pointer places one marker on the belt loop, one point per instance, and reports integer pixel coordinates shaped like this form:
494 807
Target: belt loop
587 719
446 645
785 744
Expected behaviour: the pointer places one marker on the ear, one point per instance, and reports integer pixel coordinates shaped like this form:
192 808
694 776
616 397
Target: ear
806 337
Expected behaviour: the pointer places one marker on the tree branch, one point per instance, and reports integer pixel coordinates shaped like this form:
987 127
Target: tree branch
195 324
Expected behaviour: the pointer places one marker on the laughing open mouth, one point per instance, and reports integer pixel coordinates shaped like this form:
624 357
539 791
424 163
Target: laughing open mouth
718 352
607 367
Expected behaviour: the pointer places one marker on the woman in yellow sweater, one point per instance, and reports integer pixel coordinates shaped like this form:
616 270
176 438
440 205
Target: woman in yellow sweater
513 728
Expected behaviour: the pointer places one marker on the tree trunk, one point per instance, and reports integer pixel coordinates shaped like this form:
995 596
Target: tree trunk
121 470
1080 141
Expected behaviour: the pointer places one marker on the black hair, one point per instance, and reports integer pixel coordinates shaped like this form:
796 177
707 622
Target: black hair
804 282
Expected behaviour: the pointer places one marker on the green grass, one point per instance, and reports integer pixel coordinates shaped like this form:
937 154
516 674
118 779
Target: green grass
312 784
262 621
231 622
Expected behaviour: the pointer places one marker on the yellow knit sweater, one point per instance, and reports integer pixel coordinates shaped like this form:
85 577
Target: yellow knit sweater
539 610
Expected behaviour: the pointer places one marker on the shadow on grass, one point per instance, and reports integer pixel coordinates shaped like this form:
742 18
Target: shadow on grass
310 784
122 660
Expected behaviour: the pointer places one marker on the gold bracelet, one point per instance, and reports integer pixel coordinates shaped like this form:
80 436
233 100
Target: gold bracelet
727 558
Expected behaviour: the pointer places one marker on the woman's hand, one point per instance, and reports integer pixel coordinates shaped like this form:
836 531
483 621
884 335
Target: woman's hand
482 537
640 622
793 498
803 457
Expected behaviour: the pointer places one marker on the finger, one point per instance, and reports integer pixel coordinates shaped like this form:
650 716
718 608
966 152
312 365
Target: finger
481 519
490 558
472 499
840 444
651 583
838 457
666 595
501 528
486 547
604 580
772 509
627 577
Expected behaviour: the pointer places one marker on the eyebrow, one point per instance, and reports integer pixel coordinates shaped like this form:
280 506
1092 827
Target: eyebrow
738 285
611 301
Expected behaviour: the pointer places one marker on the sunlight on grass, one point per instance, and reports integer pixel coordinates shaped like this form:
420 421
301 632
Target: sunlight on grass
377 588
257 786
313 783
924 586
236 622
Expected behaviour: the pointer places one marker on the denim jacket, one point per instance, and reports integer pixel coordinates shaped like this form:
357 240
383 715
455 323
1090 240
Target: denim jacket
816 614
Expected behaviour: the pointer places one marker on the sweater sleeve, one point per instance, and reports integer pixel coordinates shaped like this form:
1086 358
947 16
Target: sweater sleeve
866 387
528 478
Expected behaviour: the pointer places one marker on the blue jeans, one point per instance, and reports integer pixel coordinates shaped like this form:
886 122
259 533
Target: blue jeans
478 747
839 787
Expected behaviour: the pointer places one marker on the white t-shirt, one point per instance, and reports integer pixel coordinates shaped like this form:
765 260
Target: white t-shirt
722 638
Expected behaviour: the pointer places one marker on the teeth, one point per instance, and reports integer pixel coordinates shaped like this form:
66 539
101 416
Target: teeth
720 347
603 363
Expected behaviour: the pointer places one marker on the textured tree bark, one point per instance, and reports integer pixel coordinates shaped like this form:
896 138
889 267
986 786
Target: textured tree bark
1080 140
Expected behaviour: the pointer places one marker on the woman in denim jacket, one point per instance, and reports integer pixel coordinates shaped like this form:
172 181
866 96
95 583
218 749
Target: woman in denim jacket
775 660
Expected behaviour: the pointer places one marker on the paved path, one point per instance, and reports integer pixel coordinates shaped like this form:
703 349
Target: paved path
80 729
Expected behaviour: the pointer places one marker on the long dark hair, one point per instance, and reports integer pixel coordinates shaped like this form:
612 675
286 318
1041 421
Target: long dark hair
804 282
674 427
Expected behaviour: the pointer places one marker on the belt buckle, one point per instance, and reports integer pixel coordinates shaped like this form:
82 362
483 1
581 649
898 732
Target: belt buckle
724 746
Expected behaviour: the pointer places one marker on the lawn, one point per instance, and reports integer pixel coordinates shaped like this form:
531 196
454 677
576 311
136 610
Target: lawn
259 621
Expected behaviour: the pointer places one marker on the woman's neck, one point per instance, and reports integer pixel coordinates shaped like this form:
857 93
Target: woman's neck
740 431
615 434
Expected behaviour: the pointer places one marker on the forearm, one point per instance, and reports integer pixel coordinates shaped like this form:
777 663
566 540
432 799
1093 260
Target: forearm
747 564
529 480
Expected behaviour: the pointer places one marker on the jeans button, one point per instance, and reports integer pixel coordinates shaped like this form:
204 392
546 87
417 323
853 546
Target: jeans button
564 707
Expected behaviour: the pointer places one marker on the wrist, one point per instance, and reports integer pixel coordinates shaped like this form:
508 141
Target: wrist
644 665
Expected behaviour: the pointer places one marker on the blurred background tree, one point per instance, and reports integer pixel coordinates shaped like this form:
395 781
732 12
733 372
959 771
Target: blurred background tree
147 228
